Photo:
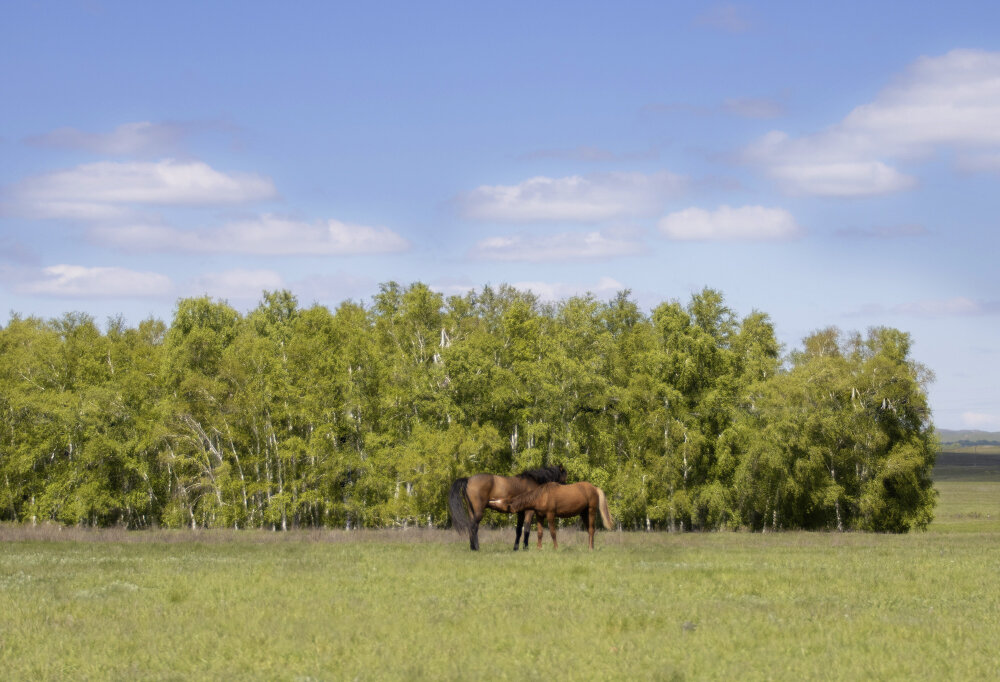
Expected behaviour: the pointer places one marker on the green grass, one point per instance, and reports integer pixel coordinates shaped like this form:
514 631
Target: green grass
419 605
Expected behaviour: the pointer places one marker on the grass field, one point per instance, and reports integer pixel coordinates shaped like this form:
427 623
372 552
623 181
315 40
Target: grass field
418 605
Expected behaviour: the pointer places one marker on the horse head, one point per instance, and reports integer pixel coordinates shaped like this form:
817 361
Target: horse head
503 504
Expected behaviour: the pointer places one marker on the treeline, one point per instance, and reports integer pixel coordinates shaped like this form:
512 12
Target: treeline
689 418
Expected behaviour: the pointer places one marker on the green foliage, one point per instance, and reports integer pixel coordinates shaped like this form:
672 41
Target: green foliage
285 417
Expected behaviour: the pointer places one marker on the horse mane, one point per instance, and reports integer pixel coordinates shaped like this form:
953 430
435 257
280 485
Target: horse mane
543 475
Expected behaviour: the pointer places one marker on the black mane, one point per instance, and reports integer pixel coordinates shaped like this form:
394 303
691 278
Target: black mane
551 474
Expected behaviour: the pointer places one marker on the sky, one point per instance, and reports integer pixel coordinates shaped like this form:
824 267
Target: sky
830 164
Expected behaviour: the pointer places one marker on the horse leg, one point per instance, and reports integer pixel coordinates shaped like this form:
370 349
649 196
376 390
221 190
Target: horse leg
591 524
520 525
540 531
552 530
477 516
528 517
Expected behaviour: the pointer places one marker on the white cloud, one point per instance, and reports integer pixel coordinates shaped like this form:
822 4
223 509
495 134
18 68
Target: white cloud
81 281
104 190
841 179
747 223
946 102
555 291
953 99
68 210
128 139
264 235
981 421
238 284
454 286
589 198
564 246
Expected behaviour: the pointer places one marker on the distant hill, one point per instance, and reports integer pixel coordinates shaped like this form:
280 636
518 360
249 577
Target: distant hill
982 442
971 437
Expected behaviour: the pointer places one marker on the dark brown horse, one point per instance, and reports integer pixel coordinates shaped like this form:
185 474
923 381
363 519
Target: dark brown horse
470 497
554 500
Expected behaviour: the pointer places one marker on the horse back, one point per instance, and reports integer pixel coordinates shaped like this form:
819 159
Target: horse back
485 487
567 500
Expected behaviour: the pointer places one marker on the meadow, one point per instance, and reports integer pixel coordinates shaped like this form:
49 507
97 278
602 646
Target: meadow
417 604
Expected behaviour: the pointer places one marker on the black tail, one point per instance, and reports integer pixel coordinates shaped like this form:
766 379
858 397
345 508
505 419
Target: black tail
460 518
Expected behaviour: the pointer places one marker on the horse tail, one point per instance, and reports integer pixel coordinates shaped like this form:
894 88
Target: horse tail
461 520
602 504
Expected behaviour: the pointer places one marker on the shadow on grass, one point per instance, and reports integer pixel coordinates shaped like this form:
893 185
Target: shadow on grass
968 467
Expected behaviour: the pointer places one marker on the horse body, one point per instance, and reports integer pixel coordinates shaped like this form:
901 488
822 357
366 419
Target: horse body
470 497
553 501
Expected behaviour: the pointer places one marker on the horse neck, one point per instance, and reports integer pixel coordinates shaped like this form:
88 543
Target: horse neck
525 499
524 484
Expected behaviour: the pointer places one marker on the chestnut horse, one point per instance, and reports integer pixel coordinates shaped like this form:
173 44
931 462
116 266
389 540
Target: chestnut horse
554 500
470 497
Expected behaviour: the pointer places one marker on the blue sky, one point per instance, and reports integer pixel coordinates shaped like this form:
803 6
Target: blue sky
826 163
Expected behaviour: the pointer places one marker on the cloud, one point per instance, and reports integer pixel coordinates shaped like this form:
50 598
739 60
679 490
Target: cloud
958 306
238 284
654 109
103 190
753 107
728 18
141 138
556 291
988 162
949 100
818 167
902 231
68 210
981 421
747 223
589 154
946 102
454 286
564 246
16 252
605 287
264 235
590 198
76 281
746 107
336 287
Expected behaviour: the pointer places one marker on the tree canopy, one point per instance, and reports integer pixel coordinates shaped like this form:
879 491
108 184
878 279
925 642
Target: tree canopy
689 417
